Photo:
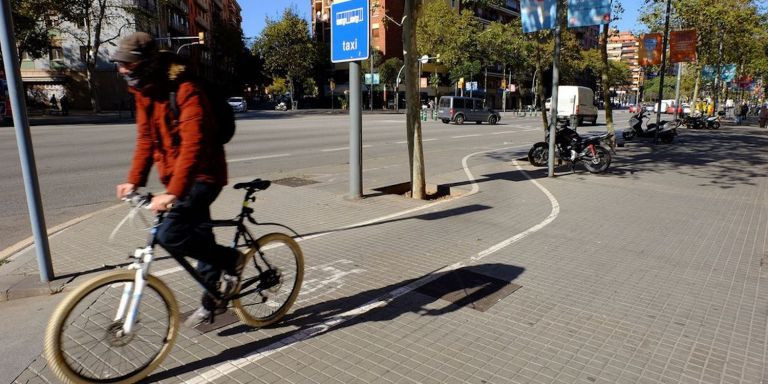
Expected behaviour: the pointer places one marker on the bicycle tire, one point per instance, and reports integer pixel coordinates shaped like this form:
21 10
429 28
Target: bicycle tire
262 299
99 347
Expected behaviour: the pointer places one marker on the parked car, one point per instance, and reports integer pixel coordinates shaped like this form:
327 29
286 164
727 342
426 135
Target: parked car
238 104
686 108
460 109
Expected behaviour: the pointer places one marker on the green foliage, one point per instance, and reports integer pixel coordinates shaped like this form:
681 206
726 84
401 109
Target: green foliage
286 48
388 71
32 32
278 87
440 30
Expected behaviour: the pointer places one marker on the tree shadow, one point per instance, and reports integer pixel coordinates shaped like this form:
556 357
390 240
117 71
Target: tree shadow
388 302
725 158
425 216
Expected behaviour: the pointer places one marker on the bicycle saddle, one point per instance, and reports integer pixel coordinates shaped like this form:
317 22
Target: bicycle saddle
257 184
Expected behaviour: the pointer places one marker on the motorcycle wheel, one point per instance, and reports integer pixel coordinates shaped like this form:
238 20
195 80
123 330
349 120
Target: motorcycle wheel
716 125
598 163
628 135
539 154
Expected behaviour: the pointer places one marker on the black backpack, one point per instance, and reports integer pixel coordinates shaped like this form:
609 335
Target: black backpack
223 114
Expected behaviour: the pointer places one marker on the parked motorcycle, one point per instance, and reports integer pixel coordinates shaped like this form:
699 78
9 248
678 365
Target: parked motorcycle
281 106
702 122
572 148
666 133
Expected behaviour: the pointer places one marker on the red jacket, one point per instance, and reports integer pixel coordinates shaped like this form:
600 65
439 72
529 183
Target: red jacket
186 150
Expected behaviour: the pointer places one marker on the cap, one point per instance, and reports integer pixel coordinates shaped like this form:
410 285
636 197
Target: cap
136 47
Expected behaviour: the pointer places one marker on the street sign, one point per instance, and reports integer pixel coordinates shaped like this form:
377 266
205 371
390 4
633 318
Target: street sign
350 26
471 85
368 79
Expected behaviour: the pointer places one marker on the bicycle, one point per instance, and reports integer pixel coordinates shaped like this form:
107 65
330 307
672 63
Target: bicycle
132 316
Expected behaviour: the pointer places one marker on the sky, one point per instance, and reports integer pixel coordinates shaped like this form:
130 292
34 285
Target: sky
255 12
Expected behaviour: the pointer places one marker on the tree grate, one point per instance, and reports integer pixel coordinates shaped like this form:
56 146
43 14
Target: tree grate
465 288
294 182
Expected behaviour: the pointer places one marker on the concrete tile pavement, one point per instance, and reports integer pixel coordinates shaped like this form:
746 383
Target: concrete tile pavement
651 273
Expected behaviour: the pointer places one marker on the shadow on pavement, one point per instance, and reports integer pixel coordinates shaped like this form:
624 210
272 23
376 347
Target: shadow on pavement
724 158
393 300
426 216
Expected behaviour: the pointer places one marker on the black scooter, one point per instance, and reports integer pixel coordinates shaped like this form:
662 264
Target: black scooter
666 134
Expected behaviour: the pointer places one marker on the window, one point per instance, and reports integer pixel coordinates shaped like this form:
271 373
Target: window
56 53
458 103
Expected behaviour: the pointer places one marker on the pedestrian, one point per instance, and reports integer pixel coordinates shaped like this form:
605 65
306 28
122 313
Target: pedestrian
190 163
763 115
64 103
54 105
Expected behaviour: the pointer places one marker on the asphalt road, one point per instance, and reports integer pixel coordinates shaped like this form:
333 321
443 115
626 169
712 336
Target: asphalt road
79 165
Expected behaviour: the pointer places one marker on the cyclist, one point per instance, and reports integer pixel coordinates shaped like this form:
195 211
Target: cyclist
190 162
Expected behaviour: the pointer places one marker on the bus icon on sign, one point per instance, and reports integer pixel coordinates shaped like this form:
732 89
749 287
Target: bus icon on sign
353 16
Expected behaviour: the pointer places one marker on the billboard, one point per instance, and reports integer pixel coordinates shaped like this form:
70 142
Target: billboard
650 49
583 13
682 46
537 14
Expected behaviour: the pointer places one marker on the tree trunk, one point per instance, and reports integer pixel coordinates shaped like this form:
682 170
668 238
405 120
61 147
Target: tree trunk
606 88
696 83
413 124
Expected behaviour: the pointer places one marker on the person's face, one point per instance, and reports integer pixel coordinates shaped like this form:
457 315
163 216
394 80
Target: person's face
126 68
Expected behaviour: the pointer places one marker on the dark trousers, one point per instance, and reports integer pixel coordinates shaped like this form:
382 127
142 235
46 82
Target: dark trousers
183 233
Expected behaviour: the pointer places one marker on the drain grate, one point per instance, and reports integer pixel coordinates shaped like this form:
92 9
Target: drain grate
466 288
294 182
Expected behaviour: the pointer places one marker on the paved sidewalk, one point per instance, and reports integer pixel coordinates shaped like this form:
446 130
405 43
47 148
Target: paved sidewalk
652 273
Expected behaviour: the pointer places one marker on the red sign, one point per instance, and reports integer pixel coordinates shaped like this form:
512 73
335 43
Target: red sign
682 46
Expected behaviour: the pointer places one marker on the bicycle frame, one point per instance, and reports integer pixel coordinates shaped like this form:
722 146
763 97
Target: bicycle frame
132 292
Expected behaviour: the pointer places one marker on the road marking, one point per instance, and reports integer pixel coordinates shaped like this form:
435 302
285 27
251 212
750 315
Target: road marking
463 136
233 365
430 140
259 157
342 148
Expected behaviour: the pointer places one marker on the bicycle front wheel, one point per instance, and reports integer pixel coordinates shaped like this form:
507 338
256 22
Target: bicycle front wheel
84 343
270 281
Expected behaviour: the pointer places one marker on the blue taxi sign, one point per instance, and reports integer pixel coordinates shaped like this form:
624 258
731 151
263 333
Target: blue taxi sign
350 26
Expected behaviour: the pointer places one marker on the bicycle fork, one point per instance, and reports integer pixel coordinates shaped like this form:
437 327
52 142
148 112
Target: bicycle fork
132 292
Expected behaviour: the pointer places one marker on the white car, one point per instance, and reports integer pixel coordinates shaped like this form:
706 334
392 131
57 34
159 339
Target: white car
686 108
238 104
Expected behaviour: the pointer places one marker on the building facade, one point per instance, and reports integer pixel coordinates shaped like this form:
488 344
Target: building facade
174 23
625 47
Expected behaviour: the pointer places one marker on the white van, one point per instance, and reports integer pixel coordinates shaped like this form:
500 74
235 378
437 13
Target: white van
577 101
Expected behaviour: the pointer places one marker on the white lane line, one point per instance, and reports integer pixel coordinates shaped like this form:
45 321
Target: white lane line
430 140
258 157
463 136
342 148
401 142
233 365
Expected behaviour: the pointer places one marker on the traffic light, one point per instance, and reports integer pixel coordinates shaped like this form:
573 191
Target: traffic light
201 38
504 84
461 82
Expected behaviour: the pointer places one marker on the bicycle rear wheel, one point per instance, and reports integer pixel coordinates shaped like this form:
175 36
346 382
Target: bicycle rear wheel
270 281
83 342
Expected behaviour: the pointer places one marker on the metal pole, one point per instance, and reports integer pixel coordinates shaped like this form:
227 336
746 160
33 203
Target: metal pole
663 69
370 93
555 85
677 89
24 142
718 69
355 132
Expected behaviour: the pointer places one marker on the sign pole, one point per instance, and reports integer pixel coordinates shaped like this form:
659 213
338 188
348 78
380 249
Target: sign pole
663 69
24 142
350 43
555 86
355 132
